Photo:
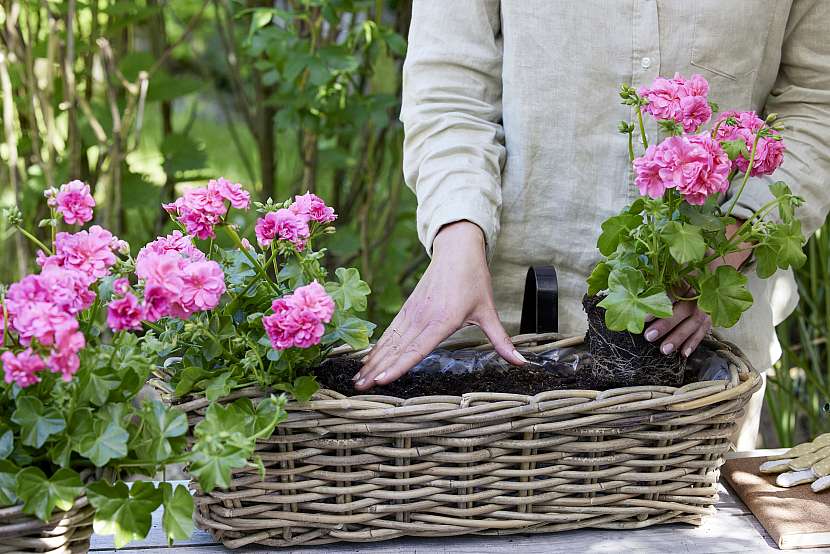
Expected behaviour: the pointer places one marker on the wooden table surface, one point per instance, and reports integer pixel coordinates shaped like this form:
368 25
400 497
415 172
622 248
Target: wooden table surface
733 529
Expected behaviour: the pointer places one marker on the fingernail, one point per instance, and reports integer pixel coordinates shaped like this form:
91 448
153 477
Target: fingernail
364 358
688 352
667 348
518 355
651 334
356 376
380 376
360 382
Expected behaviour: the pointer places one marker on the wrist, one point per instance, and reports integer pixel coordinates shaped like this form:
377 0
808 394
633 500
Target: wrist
460 234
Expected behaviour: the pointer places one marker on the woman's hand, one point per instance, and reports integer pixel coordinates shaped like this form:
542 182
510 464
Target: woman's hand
687 326
455 290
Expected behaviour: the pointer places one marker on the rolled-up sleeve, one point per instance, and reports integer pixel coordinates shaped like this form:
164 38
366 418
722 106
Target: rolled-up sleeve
451 111
801 98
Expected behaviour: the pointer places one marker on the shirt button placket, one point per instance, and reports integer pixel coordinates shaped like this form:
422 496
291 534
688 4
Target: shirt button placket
645 65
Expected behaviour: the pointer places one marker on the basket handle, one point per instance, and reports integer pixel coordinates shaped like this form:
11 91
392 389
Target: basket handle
540 308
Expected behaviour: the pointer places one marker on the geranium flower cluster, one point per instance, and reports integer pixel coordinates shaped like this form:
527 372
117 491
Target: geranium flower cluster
679 99
769 152
292 224
177 281
695 165
299 319
201 209
73 201
42 308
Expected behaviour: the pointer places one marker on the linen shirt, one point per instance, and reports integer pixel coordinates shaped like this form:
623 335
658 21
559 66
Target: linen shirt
510 110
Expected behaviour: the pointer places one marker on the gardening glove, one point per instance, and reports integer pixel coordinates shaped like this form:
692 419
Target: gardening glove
805 463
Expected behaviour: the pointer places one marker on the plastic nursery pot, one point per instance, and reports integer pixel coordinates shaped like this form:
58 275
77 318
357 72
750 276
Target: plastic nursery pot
623 359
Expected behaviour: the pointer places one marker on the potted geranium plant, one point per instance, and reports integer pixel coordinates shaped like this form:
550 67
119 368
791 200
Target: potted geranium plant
273 315
72 421
662 247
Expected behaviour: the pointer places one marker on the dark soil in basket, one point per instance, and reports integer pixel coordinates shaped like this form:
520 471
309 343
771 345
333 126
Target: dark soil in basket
336 374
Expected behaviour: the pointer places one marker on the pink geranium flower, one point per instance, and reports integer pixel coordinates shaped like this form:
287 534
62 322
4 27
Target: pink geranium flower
679 99
64 359
157 302
696 166
22 368
282 225
312 208
90 252
769 153
41 321
120 286
203 284
74 202
232 192
66 288
298 319
315 298
199 210
175 243
125 313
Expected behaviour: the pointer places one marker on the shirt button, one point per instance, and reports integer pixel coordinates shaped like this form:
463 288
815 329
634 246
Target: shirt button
645 63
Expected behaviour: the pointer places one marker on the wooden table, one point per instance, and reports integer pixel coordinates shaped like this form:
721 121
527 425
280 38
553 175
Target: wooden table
733 529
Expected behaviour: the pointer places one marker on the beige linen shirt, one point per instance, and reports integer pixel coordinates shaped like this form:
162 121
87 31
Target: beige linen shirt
510 111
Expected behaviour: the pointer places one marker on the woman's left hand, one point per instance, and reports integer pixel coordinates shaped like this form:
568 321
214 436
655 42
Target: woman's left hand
685 329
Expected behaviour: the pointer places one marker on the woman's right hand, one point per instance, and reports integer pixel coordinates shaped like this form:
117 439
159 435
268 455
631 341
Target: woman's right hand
454 291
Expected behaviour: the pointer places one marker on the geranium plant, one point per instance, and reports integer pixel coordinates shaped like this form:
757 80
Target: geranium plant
71 417
661 247
271 316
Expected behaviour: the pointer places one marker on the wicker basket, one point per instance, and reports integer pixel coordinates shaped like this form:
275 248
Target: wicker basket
66 533
370 468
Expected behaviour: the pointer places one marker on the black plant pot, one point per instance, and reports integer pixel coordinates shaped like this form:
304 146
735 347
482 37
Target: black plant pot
623 359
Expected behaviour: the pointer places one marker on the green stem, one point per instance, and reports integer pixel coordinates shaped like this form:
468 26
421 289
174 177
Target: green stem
642 127
34 239
238 243
746 175
631 146
54 226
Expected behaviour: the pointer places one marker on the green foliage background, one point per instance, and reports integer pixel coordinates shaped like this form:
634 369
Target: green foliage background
140 98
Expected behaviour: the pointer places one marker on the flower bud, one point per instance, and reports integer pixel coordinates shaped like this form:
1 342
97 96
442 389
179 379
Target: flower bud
771 117
330 230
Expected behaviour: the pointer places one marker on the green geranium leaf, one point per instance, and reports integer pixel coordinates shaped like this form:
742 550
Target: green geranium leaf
123 512
598 279
212 461
304 387
96 388
178 512
8 482
637 206
108 442
734 148
699 218
37 423
6 442
724 296
218 386
685 242
627 304
766 261
787 239
350 293
615 229
162 426
269 413
41 495
353 331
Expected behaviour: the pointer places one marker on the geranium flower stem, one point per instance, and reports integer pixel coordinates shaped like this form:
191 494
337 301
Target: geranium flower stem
34 239
643 136
238 243
748 172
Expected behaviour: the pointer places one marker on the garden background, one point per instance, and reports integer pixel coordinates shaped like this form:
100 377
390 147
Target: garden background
138 97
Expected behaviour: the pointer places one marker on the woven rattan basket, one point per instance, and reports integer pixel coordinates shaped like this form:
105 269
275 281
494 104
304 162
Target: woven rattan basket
66 533
370 468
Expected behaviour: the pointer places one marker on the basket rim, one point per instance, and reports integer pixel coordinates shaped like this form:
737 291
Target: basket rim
745 379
